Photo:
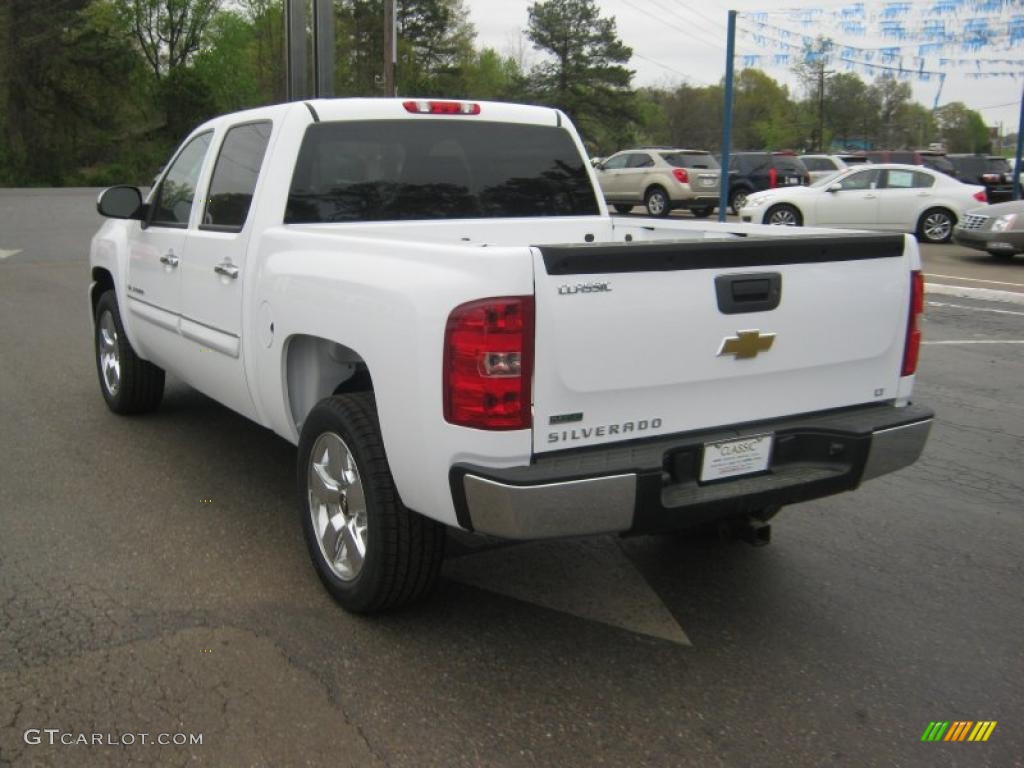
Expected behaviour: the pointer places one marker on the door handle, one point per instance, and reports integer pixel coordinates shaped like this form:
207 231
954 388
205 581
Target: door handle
169 259
870 197
227 269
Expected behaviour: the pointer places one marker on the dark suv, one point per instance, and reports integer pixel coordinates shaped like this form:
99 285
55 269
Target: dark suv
937 161
991 170
754 171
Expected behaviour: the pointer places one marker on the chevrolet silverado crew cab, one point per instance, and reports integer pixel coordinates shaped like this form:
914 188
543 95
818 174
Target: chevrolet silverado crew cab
430 299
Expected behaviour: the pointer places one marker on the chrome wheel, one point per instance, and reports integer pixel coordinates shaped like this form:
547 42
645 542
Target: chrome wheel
110 354
337 505
783 217
937 227
657 203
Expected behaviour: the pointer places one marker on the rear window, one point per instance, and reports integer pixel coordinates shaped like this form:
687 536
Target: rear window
969 167
938 163
793 164
690 160
392 170
997 165
818 164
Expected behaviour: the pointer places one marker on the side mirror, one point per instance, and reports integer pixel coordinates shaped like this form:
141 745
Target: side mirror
835 187
120 203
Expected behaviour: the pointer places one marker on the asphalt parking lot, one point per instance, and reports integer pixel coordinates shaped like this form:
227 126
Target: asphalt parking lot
153 579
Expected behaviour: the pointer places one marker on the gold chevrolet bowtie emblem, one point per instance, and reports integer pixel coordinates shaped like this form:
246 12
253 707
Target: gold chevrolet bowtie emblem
746 344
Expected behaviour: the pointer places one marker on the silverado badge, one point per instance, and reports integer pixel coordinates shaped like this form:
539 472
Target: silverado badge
746 344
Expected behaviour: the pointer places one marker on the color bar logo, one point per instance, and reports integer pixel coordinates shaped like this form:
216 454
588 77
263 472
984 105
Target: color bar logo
959 730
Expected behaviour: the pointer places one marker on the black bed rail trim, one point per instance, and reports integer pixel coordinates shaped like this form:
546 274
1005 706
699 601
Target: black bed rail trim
714 254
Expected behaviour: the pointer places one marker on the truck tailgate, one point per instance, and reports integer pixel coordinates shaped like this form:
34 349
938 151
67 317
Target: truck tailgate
639 340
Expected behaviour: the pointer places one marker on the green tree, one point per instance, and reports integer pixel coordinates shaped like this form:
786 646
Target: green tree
67 88
914 125
846 102
584 73
435 44
962 129
227 64
889 96
763 114
168 32
489 75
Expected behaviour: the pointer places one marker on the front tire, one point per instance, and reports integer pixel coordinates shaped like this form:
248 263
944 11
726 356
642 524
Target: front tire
370 551
702 213
936 226
129 384
784 216
657 203
623 209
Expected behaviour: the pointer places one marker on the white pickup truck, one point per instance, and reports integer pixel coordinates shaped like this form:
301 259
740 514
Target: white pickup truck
431 300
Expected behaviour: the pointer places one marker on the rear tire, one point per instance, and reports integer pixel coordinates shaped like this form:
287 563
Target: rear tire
936 226
623 209
657 202
370 551
129 384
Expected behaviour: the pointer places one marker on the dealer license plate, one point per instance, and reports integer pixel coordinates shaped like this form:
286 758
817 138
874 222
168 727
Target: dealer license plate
730 458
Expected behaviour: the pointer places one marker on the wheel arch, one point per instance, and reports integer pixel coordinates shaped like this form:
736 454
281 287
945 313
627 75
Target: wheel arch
656 185
315 368
102 281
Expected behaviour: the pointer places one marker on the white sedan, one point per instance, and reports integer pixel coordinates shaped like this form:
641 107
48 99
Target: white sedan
888 196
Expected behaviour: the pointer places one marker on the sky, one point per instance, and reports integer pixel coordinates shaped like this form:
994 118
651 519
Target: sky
676 41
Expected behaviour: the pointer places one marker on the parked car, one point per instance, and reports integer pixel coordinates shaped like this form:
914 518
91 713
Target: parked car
820 166
319 267
901 198
754 171
991 171
997 229
661 179
935 160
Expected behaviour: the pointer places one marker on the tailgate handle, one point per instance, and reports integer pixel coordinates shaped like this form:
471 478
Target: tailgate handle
748 292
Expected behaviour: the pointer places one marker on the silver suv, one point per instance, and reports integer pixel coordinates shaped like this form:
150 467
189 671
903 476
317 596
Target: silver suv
661 178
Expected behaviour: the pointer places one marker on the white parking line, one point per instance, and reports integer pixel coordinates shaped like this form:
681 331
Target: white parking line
977 341
974 280
5 254
984 294
974 309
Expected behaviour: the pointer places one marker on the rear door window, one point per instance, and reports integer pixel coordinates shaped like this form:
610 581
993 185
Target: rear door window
898 179
391 170
234 176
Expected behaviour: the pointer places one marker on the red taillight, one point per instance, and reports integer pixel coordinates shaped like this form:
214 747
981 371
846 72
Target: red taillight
912 348
681 175
980 196
488 364
773 178
442 107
